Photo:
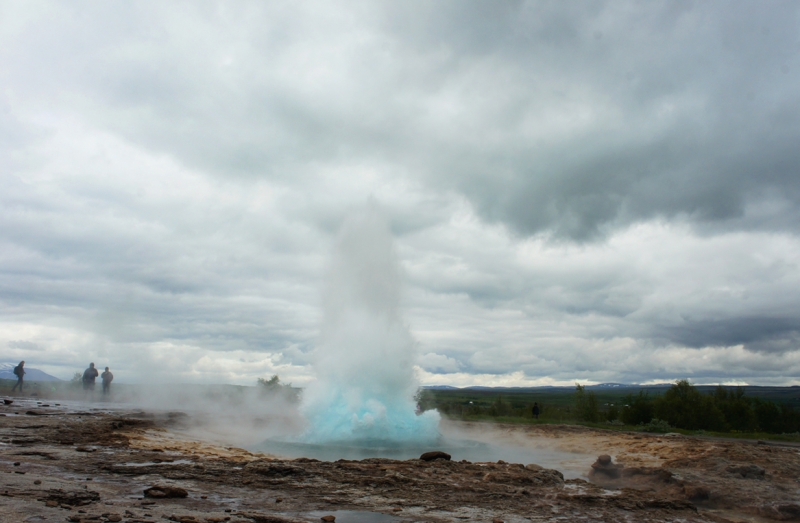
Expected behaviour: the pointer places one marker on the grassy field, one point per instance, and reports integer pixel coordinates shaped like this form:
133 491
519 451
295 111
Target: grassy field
557 405
564 395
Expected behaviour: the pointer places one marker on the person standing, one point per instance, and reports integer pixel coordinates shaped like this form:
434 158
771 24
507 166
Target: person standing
89 376
535 410
107 377
19 372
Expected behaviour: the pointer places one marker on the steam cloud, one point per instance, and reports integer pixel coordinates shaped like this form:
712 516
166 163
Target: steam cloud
364 362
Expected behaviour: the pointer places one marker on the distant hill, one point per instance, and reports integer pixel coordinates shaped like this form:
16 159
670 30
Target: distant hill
31 374
599 386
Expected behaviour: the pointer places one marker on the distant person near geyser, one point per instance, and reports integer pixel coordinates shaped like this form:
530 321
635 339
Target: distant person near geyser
19 372
89 375
364 360
106 378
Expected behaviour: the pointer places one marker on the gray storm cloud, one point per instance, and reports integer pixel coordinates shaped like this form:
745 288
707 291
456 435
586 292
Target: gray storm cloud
613 183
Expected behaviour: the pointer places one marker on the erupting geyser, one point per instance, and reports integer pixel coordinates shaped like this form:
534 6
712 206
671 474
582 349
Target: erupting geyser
364 361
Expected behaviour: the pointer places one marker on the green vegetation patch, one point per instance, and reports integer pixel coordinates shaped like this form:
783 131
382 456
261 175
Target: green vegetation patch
739 412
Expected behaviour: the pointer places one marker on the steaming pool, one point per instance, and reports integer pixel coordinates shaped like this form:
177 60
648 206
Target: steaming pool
462 443
571 464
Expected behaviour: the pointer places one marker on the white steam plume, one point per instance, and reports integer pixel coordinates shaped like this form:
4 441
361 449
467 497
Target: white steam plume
364 362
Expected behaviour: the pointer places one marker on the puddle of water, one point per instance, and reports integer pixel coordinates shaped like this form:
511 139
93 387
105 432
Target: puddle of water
350 516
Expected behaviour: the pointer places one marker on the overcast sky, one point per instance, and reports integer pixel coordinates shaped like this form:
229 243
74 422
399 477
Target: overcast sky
590 191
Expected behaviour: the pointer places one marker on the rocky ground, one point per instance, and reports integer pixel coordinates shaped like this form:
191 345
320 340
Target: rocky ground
59 464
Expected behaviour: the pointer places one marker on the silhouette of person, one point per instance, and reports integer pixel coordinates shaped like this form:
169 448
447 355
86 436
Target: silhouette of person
107 377
89 376
19 372
535 410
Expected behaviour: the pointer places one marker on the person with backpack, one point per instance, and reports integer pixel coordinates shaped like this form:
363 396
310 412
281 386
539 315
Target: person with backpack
107 377
19 372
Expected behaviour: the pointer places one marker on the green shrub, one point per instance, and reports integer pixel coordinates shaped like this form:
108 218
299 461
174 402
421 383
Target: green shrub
586 405
612 413
500 407
657 425
273 387
637 409
683 406
736 409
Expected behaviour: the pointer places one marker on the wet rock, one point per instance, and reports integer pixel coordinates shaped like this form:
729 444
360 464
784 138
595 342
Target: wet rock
328 519
433 455
639 473
696 493
83 518
264 518
781 511
670 504
114 518
747 471
610 475
75 498
603 469
165 491
550 477
26 441
268 468
8 402
45 455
